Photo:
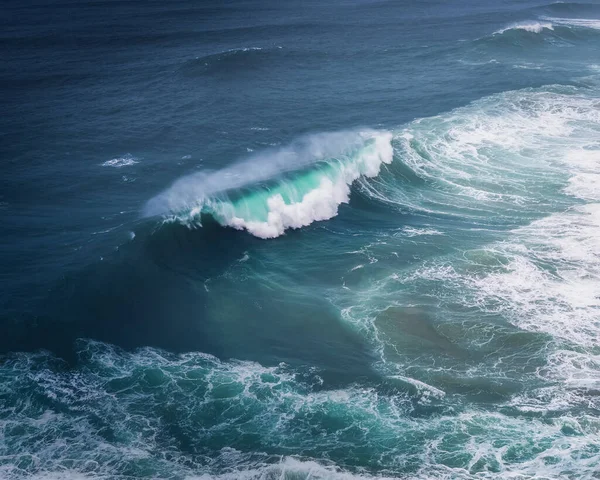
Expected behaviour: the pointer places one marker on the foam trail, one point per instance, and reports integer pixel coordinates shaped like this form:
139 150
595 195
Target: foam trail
590 23
550 23
279 189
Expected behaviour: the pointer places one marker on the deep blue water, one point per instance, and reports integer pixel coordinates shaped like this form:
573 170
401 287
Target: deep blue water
264 240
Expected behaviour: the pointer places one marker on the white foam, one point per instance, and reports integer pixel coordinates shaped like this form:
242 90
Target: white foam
541 147
415 232
120 162
528 66
65 475
501 151
585 183
317 205
563 301
244 49
290 468
585 186
275 404
321 203
591 23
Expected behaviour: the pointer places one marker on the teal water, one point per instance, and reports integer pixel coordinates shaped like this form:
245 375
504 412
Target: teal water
301 241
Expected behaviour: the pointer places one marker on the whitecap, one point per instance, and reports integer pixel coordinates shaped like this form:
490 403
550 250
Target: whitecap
119 162
310 180
532 27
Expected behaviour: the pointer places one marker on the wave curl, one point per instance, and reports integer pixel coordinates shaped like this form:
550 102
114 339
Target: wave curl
273 191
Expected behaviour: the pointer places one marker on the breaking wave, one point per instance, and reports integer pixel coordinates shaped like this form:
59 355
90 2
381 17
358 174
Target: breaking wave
290 187
551 24
533 27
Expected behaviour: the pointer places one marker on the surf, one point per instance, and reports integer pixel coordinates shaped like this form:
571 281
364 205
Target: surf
276 190
532 27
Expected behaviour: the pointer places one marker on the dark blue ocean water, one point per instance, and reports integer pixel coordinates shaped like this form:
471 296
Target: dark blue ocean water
267 240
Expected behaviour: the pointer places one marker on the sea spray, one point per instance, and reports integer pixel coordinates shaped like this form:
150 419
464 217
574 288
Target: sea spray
285 188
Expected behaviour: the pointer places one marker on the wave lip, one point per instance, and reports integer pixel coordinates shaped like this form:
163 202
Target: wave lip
271 192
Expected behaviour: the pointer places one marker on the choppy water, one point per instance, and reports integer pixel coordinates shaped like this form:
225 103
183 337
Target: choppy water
270 240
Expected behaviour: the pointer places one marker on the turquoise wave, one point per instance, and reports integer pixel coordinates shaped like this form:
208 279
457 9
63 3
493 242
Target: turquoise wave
289 188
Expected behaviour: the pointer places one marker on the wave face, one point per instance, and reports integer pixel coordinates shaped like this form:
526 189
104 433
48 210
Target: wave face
277 190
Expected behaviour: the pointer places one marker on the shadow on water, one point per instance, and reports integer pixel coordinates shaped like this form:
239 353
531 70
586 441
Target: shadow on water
172 289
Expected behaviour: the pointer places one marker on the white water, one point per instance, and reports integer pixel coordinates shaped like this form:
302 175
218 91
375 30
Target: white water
532 27
312 195
504 157
549 23
590 23
119 162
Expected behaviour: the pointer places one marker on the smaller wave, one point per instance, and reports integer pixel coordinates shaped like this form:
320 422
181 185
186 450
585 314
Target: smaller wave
547 24
570 9
235 58
532 27
119 162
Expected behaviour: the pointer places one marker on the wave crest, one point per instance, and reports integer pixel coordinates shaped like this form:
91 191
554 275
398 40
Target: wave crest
271 192
551 24
532 27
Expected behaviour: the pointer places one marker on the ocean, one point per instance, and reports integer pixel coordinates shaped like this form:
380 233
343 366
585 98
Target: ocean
300 240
